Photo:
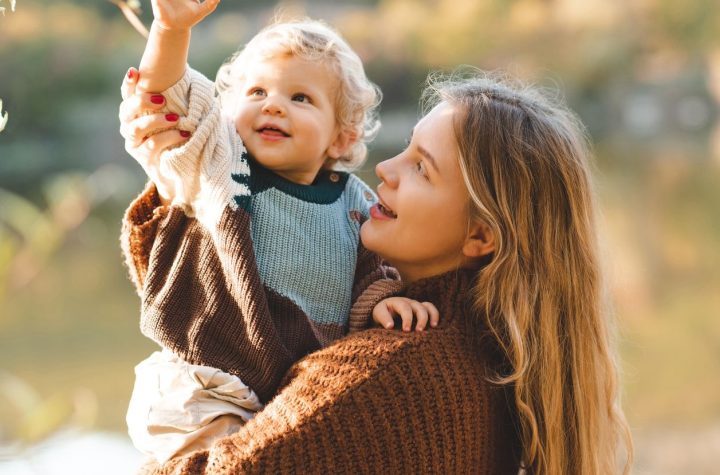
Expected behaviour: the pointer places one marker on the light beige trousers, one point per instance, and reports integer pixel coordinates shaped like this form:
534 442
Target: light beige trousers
177 407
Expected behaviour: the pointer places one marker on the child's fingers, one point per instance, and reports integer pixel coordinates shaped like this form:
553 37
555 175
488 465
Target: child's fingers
382 315
201 10
209 6
404 309
421 315
127 88
433 312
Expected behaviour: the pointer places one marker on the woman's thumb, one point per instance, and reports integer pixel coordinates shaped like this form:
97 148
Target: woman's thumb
130 80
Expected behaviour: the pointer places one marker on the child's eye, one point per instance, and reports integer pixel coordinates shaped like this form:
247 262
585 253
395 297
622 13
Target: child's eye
300 97
259 92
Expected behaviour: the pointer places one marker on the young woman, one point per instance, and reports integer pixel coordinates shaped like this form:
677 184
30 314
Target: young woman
488 214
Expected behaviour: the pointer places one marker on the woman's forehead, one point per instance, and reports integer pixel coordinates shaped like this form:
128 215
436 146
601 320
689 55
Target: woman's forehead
435 133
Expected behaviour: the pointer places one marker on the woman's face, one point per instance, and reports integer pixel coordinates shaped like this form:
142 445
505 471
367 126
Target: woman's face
421 221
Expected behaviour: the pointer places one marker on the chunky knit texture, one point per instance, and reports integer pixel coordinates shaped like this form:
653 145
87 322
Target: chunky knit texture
246 272
383 401
300 233
203 298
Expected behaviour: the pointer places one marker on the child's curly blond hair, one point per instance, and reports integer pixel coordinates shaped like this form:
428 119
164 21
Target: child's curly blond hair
311 40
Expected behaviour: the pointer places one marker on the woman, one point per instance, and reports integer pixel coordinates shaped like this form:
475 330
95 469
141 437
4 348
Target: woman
488 214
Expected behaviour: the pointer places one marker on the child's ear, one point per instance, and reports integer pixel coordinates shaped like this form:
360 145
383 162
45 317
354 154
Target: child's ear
344 139
480 241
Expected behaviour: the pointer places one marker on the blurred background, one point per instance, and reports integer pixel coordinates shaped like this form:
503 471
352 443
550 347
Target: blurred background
644 76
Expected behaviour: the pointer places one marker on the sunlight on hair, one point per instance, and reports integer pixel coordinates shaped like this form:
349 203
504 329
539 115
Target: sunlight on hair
357 98
520 144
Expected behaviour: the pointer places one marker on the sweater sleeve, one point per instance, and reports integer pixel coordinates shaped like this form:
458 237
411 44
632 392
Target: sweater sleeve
210 169
374 280
139 227
193 262
361 311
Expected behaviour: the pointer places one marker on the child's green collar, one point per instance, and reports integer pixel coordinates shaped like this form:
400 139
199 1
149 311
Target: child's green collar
326 189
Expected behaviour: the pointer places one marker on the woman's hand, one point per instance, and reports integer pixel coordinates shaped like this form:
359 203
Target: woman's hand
407 309
146 133
181 14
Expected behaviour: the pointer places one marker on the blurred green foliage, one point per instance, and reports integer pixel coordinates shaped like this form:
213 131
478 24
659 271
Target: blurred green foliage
639 73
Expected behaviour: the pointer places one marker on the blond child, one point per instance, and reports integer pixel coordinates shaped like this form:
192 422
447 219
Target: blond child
268 266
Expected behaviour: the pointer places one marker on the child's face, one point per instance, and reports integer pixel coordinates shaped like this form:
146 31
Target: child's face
286 116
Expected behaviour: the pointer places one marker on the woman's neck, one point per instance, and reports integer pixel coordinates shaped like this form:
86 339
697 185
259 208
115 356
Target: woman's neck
410 273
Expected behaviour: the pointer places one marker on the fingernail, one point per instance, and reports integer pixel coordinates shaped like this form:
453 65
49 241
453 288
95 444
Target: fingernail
157 99
131 74
184 133
172 117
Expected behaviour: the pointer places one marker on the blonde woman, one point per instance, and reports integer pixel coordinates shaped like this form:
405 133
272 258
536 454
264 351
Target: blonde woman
489 214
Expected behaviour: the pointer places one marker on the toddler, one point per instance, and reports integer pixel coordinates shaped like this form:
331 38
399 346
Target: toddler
257 261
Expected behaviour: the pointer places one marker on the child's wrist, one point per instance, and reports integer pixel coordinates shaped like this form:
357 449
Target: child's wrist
170 30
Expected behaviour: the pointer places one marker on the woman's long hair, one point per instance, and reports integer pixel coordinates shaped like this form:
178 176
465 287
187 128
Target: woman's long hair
526 164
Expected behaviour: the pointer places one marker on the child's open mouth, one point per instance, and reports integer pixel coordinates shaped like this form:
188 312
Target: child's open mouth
270 131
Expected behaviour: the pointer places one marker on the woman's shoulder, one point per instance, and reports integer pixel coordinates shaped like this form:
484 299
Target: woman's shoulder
379 401
380 357
389 388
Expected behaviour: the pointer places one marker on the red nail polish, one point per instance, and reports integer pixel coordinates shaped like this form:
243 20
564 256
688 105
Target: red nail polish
131 74
157 99
172 117
185 133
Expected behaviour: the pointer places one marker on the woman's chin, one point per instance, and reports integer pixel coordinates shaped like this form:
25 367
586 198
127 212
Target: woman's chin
371 237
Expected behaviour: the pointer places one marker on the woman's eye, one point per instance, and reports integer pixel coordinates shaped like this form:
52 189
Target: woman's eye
301 98
420 168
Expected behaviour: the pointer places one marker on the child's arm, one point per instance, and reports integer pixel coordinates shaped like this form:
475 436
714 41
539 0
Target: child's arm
163 62
407 309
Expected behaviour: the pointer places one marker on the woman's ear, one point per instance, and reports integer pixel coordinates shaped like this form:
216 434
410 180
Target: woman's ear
345 139
480 241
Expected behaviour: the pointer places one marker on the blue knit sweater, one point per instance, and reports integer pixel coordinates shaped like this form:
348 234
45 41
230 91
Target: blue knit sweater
246 271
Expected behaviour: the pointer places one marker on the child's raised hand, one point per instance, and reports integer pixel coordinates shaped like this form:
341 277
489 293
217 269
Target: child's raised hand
407 309
181 14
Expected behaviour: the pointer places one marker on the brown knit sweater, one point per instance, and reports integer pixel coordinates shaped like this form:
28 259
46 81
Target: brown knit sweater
204 299
383 401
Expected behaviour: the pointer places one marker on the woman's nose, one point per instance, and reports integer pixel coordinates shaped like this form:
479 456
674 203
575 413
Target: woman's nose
385 170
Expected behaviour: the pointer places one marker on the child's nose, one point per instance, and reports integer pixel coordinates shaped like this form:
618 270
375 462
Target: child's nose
273 106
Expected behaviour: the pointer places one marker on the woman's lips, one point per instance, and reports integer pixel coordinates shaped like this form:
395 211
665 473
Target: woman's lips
378 211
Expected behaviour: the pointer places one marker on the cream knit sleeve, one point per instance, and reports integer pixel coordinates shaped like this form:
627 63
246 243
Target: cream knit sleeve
210 170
